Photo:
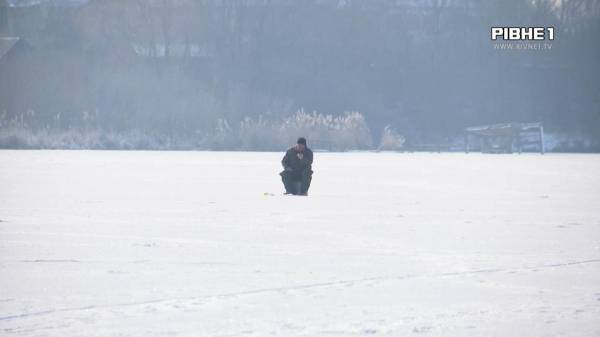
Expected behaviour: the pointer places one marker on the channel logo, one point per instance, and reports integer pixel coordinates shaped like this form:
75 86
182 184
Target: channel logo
522 33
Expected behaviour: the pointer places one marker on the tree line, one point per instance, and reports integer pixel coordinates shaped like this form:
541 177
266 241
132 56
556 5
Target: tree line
179 69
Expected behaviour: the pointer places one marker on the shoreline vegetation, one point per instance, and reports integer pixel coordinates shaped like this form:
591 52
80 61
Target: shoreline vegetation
348 131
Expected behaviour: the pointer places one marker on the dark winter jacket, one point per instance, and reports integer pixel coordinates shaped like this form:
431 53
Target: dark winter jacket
296 166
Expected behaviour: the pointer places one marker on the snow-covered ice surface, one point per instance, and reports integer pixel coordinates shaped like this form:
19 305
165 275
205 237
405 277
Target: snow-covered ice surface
101 243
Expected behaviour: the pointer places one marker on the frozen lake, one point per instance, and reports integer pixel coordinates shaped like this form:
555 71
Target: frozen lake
101 243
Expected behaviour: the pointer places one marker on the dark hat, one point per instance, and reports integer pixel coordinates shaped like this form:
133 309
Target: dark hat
302 141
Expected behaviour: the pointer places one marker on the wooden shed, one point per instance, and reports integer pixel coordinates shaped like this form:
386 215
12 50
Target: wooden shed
505 137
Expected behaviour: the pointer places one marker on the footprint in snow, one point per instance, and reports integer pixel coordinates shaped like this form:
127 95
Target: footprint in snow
147 245
369 331
422 329
570 224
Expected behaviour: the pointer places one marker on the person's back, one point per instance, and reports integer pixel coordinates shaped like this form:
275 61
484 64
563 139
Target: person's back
297 164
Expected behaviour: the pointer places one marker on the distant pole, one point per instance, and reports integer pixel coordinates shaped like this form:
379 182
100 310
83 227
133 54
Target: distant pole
542 146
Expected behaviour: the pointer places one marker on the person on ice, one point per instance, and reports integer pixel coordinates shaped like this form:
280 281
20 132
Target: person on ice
297 168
